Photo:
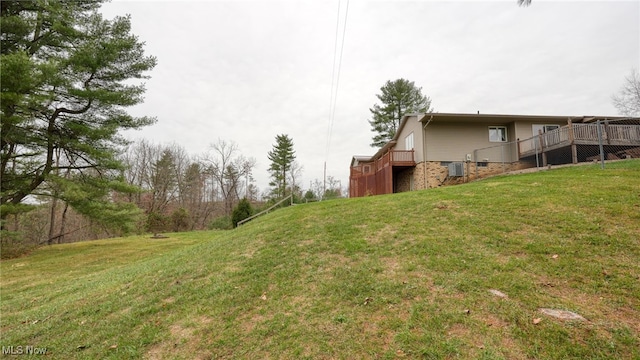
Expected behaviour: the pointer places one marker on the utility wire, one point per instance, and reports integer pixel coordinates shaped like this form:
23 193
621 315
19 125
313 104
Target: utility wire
333 74
334 89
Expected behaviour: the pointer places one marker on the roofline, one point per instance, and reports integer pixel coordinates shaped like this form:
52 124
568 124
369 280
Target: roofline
364 158
584 118
427 117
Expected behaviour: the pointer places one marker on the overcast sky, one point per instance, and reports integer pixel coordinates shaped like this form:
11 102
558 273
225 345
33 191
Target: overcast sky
246 71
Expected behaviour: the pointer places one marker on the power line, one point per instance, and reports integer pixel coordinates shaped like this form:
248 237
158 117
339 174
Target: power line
333 72
334 89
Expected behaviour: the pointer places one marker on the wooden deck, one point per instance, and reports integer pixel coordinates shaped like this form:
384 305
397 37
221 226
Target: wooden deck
573 135
376 177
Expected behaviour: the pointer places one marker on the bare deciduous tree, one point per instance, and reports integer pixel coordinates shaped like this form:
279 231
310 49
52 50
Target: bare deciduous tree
317 187
295 173
228 168
627 100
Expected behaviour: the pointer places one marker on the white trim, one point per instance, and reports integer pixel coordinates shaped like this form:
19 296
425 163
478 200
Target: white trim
408 142
503 137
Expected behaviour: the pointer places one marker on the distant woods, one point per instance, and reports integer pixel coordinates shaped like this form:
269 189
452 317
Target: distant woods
175 191
180 192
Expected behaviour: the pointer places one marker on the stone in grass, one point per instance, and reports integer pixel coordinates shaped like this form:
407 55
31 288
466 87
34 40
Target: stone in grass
498 293
562 314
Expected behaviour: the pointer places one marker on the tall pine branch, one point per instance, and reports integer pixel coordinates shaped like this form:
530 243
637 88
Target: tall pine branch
397 98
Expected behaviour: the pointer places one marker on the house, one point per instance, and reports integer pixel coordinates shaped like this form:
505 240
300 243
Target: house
433 149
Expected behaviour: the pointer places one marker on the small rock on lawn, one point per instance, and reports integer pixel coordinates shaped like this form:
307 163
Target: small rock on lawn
498 293
562 314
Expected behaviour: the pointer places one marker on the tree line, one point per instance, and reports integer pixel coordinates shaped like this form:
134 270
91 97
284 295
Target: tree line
173 190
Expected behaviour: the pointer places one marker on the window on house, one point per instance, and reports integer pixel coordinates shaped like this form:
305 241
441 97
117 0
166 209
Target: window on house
497 133
408 142
544 128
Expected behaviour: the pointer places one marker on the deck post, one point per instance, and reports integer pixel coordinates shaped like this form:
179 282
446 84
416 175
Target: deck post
544 154
606 131
599 124
535 147
574 148
475 157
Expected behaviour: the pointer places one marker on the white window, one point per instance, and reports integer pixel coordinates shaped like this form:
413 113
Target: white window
497 133
408 142
544 128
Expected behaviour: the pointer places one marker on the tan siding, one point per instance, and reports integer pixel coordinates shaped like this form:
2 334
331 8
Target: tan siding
451 142
412 126
524 129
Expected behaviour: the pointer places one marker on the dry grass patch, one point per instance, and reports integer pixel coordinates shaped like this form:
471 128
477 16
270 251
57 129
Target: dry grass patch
185 340
382 235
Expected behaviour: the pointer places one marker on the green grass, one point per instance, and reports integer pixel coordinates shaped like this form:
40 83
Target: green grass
403 275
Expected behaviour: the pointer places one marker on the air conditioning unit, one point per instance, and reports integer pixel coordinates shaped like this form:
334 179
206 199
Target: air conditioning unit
456 169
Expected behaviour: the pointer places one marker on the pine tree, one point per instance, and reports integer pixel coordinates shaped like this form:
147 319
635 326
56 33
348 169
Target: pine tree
242 211
282 157
66 78
398 98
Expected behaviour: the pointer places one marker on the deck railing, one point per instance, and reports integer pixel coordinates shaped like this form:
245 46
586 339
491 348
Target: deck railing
556 136
390 158
402 156
288 198
586 134
629 133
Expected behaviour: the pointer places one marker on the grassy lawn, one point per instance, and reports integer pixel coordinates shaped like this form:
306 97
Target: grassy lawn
396 276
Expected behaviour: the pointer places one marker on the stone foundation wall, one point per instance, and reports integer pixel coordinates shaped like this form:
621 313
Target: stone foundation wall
438 174
418 177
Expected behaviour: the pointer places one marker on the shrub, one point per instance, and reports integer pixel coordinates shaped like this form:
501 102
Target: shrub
242 211
309 196
180 220
221 223
156 222
13 245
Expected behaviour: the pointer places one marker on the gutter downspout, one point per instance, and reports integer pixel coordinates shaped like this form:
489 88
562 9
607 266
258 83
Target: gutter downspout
424 150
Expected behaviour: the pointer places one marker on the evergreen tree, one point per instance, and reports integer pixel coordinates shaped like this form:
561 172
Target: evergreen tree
66 78
398 98
163 182
242 211
180 220
282 157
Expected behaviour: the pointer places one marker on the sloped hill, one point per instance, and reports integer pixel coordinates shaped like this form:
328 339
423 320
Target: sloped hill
406 275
